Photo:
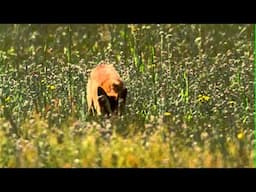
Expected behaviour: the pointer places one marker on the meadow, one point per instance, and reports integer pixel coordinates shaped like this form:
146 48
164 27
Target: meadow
190 96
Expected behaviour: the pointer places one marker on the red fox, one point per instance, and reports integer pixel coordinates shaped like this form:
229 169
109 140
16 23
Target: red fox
106 92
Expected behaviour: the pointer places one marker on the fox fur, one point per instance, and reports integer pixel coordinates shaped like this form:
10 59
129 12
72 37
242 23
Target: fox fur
106 92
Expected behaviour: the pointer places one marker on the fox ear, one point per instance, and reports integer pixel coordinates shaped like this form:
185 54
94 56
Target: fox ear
101 91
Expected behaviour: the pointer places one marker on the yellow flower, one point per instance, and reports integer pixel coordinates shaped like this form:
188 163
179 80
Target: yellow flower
203 98
240 136
167 114
206 98
52 87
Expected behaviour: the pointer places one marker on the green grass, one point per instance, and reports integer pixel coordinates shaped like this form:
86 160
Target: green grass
190 95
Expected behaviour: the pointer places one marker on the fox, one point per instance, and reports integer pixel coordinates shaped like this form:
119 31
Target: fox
106 91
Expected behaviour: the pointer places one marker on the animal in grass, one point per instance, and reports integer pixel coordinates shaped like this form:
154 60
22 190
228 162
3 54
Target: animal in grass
106 91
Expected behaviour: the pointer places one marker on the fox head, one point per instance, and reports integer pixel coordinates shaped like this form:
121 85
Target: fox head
106 92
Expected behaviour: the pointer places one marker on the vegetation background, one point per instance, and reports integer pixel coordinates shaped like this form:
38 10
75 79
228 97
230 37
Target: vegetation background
190 95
